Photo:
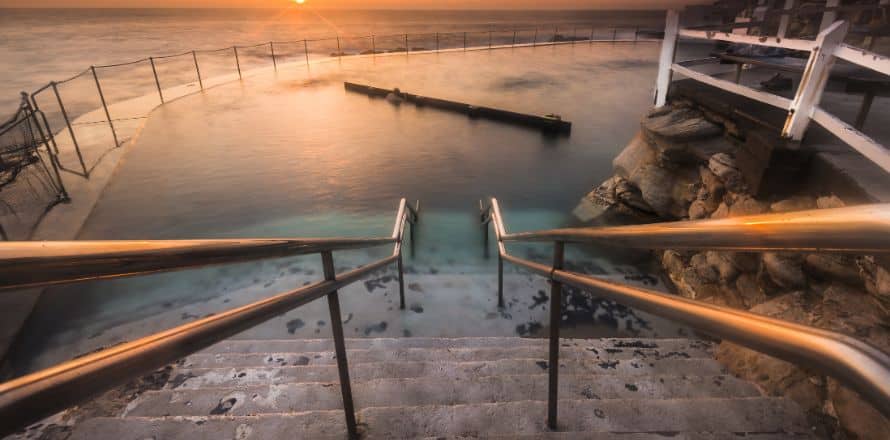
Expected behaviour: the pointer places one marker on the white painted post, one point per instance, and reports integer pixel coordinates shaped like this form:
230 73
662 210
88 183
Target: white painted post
785 20
666 60
829 17
813 81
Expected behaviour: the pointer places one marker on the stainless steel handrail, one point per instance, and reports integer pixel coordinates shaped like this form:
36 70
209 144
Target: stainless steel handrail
855 363
32 397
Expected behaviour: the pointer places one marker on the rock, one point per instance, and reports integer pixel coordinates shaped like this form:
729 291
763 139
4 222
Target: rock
699 209
394 98
827 202
631 196
722 211
691 285
615 200
636 154
852 311
723 263
750 291
859 419
723 166
797 203
876 278
672 262
656 185
746 205
775 376
786 270
832 267
704 269
680 125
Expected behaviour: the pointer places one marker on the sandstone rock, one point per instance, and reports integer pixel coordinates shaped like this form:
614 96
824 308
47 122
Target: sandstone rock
786 270
659 111
876 279
656 185
723 263
859 419
636 154
852 311
615 199
722 211
834 267
672 262
750 291
699 209
744 204
680 125
831 201
723 165
797 203
704 269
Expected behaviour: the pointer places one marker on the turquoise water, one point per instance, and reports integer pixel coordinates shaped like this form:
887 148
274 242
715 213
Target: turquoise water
294 154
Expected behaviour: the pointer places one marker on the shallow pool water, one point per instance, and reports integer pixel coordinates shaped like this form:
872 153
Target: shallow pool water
295 154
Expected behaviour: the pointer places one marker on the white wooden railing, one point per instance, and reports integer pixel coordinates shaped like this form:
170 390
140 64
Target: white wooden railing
824 50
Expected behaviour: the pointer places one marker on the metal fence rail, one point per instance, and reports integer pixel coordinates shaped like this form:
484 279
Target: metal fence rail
858 365
30 398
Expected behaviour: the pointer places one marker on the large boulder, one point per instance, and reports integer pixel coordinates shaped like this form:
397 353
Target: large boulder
616 200
636 154
680 125
668 192
833 267
785 269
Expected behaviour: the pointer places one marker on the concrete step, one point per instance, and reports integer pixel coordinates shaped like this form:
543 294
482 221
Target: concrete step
427 391
281 359
193 378
706 419
316 345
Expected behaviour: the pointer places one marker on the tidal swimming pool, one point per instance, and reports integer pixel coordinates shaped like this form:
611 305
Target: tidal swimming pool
293 154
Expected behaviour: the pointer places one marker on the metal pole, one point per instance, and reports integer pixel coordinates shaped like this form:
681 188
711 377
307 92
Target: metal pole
614 34
555 320
70 128
500 281
52 158
272 48
489 39
535 41
327 260
514 38
339 51
401 281
437 41
465 41
373 45
154 70
636 33
105 106
237 61
198 69
574 35
406 44
306 51
49 130
592 29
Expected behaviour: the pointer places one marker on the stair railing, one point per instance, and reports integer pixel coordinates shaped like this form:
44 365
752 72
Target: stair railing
35 396
853 230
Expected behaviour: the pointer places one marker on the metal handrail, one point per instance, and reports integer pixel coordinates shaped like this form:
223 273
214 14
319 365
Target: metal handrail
33 397
855 363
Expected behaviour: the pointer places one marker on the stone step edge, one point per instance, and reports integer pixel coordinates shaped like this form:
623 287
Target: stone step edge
542 376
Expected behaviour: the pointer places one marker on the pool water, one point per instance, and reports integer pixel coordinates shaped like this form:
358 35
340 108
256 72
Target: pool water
294 154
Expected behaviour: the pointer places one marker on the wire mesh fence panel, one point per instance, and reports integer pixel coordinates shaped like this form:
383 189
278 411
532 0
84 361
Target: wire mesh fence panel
255 57
177 75
390 43
451 40
217 66
289 52
29 182
89 124
356 45
54 118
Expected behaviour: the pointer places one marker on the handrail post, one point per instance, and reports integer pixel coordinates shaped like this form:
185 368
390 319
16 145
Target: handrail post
327 260
198 69
237 61
555 320
272 49
401 280
306 51
154 71
666 60
105 106
70 128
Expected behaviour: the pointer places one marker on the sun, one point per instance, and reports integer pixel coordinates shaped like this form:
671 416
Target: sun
299 2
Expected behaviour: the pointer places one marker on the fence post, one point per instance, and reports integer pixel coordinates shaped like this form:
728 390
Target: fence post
636 33
574 35
306 51
340 346
237 61
70 129
52 158
829 17
272 48
339 50
666 60
373 46
105 106
555 32
406 45
785 19
49 130
514 38
535 41
489 40
592 29
555 320
437 42
154 71
812 83
198 69
465 41
614 34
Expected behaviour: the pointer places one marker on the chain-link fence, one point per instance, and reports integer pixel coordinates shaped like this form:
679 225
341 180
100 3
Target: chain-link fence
83 118
30 184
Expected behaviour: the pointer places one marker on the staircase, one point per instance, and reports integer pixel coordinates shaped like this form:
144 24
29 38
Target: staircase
631 389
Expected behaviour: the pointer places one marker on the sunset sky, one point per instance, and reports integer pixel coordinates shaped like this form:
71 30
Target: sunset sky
362 4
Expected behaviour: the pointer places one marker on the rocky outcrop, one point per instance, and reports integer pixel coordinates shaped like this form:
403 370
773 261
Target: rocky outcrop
688 163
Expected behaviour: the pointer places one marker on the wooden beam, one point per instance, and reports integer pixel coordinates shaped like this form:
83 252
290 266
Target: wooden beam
757 95
864 58
786 43
865 145
668 51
